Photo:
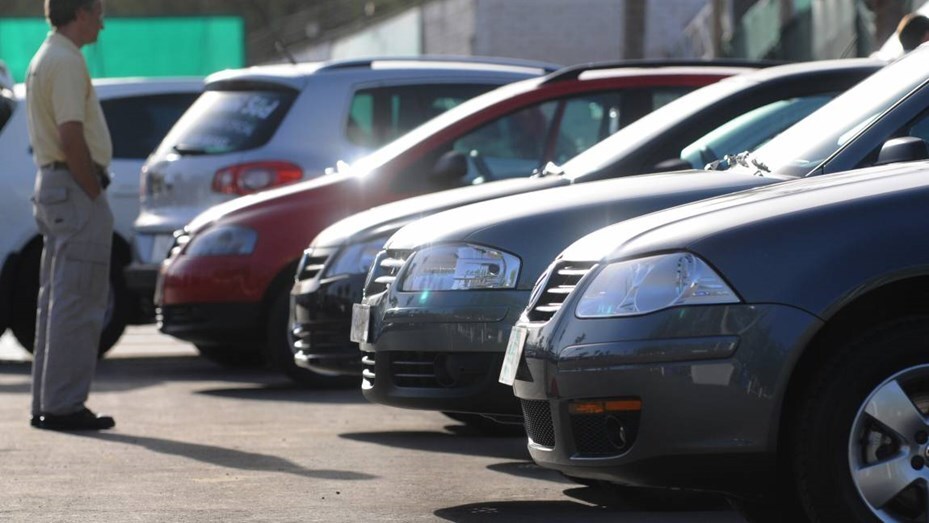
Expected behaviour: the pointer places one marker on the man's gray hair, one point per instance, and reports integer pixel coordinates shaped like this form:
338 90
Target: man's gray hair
60 12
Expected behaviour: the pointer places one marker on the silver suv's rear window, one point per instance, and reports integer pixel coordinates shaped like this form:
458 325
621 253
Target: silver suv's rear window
222 122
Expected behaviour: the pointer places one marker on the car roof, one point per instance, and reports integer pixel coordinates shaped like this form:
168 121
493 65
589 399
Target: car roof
296 75
109 87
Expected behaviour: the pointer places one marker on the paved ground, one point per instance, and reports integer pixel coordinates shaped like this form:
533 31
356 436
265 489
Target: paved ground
196 442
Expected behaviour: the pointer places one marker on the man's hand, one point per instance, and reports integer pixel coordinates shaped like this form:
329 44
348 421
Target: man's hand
77 156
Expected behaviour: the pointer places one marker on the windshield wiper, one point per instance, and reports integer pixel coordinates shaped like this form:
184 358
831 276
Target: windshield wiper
189 149
760 165
550 169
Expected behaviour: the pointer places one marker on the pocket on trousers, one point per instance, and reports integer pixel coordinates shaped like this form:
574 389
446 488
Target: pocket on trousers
56 209
88 268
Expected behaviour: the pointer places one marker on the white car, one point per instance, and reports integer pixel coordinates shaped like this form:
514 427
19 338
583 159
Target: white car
139 112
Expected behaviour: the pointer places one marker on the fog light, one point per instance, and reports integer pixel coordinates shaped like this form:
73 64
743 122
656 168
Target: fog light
602 406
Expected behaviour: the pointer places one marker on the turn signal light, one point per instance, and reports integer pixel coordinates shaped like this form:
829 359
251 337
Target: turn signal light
252 177
603 406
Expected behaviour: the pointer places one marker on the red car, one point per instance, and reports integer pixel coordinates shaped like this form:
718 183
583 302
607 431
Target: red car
226 285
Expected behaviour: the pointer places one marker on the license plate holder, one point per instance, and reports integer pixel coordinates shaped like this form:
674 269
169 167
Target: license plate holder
514 350
361 323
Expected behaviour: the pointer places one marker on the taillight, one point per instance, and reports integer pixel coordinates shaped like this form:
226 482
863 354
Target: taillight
257 176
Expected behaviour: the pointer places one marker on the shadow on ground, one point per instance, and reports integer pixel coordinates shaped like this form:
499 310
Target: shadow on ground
287 391
503 448
224 457
593 504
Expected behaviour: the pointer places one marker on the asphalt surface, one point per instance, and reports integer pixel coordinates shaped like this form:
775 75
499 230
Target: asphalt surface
197 442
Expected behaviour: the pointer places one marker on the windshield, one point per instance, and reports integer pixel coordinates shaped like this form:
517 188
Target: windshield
221 122
642 131
752 129
437 124
802 148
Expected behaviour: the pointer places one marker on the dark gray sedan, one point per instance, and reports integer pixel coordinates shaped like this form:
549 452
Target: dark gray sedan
732 115
771 345
442 297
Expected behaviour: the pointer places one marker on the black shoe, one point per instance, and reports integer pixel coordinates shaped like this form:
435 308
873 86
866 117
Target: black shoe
83 419
35 420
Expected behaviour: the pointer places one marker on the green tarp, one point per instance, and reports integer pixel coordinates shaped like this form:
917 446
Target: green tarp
188 46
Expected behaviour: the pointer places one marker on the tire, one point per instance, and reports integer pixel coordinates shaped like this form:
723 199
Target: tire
488 427
232 356
280 356
840 428
25 300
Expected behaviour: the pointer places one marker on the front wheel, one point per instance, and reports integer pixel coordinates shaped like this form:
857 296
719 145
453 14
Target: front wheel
25 300
862 437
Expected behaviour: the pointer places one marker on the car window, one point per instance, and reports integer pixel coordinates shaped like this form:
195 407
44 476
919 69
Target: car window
509 146
380 115
138 123
222 121
752 129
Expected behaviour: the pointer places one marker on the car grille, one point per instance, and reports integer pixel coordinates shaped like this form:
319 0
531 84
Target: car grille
537 415
600 435
440 370
311 264
384 271
562 279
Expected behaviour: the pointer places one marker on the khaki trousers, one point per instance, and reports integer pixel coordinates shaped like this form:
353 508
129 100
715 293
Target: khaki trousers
73 291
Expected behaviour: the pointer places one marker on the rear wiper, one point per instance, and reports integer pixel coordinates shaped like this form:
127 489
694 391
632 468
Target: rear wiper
760 165
550 169
189 149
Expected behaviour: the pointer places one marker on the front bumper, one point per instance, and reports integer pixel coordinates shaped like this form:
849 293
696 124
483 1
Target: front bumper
214 323
441 350
321 320
710 380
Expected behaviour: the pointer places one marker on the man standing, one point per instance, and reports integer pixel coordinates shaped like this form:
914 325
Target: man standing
72 148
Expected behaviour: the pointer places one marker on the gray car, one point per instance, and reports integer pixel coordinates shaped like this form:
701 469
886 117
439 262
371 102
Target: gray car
731 115
770 345
443 295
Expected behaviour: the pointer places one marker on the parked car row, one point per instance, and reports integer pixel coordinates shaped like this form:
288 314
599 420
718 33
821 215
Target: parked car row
661 273
764 344
227 290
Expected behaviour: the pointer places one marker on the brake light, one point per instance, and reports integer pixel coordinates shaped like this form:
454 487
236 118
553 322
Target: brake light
256 176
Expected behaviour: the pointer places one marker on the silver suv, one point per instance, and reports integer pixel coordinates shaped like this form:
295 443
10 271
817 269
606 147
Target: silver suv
262 127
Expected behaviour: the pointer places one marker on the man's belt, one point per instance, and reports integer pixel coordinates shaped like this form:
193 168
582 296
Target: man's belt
99 170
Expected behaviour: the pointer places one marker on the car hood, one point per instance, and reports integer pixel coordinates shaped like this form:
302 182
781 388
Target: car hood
536 226
324 187
695 225
387 218
479 219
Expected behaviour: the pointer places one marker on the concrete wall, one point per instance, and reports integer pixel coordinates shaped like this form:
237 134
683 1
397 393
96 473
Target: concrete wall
448 27
550 30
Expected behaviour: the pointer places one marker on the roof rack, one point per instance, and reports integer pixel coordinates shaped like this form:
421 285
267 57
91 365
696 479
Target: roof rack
514 62
574 71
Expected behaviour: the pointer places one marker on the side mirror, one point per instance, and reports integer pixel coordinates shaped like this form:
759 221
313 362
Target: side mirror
450 166
903 149
672 164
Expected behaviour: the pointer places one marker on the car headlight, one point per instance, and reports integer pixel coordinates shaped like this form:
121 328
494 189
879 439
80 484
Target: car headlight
460 267
355 258
227 240
645 285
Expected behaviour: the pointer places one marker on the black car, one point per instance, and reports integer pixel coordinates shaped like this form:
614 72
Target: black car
770 345
447 289
732 115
